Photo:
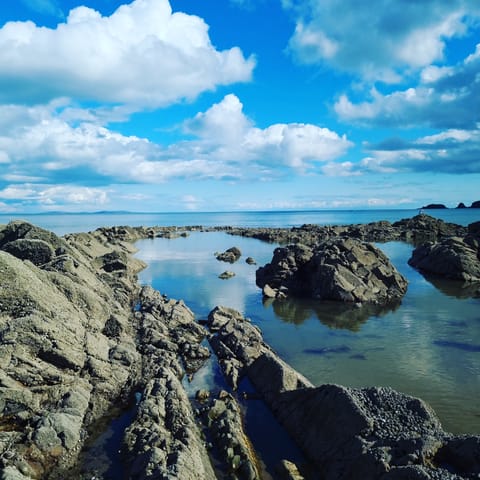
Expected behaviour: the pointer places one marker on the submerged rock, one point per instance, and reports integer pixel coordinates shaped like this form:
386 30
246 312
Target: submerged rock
345 270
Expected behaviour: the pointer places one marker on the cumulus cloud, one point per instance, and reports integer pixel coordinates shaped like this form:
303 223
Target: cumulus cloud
39 141
226 132
143 55
377 40
444 98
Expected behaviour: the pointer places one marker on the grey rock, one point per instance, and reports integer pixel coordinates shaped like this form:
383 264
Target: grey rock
226 275
230 255
345 270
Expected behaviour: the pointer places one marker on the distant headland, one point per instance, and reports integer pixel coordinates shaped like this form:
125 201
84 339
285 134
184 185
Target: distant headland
438 206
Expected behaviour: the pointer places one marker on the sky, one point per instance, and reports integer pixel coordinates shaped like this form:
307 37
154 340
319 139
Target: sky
190 105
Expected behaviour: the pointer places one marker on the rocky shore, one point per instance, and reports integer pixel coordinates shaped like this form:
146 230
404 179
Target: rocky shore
79 338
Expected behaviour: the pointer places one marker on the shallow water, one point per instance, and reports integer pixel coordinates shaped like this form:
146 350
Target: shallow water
427 346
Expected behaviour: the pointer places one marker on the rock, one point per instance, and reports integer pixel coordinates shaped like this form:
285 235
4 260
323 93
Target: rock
434 206
461 205
250 261
226 275
345 270
268 291
231 255
38 252
349 433
475 204
163 441
422 228
287 470
456 258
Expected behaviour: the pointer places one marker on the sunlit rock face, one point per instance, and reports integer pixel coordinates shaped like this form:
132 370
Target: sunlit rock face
345 270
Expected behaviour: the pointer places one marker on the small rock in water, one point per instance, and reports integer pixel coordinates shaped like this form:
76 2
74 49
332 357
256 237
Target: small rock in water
226 275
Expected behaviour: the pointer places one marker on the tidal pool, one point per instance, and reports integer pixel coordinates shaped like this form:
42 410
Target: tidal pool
427 345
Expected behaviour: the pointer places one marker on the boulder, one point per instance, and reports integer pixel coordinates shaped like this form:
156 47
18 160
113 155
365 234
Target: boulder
230 255
456 258
345 270
38 252
475 204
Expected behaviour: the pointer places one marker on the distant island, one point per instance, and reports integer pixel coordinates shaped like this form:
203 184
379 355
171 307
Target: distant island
438 206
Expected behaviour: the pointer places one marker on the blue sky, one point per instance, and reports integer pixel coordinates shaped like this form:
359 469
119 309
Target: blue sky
153 105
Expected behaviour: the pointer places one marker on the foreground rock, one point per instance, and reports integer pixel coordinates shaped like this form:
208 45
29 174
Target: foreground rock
374 433
345 270
456 258
72 349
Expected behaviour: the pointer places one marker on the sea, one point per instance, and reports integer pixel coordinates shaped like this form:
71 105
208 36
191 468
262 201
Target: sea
428 345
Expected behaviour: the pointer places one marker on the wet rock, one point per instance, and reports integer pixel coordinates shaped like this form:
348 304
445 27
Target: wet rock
345 270
250 261
164 440
224 421
226 275
287 470
230 255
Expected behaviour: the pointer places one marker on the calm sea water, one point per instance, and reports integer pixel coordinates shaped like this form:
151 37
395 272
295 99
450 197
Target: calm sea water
70 223
426 346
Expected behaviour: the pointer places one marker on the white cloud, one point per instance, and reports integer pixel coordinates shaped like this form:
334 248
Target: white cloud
377 40
451 151
41 143
445 98
142 55
226 132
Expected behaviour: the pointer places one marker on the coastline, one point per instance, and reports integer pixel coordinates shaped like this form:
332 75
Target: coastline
148 343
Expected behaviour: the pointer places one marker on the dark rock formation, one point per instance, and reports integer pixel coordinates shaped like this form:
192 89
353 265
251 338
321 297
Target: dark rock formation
230 255
475 204
461 205
422 228
348 433
345 270
417 229
434 206
226 275
456 258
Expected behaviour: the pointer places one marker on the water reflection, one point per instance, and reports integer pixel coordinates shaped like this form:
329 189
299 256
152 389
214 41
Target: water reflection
332 314
454 288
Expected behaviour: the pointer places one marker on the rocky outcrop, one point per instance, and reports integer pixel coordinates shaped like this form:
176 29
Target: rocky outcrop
417 229
422 228
345 270
230 255
72 348
455 258
347 433
475 204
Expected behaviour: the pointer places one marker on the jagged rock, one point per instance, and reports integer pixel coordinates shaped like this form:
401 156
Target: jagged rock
230 255
163 441
344 270
350 433
455 258
287 470
224 421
